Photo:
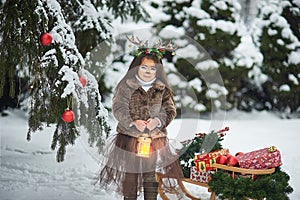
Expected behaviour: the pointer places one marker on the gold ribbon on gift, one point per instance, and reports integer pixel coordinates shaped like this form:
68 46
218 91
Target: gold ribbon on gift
272 149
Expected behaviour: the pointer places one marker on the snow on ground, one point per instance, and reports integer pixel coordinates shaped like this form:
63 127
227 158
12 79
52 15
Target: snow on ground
29 170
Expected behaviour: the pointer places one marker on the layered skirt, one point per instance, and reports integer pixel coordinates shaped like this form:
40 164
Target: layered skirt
120 161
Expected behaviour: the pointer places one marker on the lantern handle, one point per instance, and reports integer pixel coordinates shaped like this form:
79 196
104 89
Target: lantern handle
147 131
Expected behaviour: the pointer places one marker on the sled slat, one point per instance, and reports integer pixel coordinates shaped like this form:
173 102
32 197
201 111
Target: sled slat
162 193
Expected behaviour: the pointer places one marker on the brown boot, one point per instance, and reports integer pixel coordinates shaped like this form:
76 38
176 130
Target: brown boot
130 198
150 191
130 186
150 186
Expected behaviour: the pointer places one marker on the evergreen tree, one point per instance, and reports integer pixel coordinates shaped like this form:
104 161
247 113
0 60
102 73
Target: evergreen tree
211 28
276 33
219 31
53 71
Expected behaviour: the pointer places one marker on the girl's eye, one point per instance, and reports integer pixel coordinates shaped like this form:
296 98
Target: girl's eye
152 69
144 68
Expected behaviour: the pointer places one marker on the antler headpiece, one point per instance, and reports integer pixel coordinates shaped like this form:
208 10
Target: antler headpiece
158 49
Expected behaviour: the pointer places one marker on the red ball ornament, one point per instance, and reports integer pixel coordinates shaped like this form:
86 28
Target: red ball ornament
209 178
228 155
68 116
221 159
83 81
254 177
46 39
232 161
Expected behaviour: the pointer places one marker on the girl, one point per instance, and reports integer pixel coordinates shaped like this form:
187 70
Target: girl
143 102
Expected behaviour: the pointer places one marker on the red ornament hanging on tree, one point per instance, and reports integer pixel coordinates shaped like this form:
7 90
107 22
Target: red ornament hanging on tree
46 39
83 80
68 116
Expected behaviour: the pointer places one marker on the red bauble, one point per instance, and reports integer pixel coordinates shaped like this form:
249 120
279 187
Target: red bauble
254 177
82 80
222 159
68 116
46 39
209 178
232 161
239 154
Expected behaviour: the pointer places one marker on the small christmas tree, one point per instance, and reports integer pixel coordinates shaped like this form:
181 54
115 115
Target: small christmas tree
201 143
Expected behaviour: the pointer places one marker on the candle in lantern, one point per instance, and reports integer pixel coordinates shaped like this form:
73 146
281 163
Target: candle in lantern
144 146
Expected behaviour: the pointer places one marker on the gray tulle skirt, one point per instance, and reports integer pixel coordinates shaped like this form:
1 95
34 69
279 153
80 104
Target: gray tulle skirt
120 159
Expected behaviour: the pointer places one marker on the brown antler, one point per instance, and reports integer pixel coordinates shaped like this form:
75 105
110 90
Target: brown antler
159 44
171 47
138 42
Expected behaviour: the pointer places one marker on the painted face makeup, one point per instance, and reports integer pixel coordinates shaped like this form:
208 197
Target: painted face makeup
147 70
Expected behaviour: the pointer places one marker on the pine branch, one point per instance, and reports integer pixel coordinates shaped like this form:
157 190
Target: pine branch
190 147
65 134
274 186
125 8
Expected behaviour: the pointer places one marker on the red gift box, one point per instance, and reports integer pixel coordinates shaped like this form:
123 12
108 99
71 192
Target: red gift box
260 159
204 162
202 177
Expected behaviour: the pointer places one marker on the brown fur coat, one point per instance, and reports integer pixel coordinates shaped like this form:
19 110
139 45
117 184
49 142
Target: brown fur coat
132 102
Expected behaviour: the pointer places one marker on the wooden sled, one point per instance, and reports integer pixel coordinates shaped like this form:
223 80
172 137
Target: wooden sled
233 170
162 192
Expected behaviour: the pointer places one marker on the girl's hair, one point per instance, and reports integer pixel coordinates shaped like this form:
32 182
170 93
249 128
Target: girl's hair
133 68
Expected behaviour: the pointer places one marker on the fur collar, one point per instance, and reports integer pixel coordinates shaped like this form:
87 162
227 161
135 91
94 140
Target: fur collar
134 83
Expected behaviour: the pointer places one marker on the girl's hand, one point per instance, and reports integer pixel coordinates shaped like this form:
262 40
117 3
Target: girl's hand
152 124
140 124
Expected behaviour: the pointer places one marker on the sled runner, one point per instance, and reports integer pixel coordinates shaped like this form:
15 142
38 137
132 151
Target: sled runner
232 171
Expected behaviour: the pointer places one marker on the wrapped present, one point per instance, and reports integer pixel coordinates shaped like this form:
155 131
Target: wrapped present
198 176
204 162
260 159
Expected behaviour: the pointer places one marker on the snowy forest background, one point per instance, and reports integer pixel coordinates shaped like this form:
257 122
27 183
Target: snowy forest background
232 55
263 77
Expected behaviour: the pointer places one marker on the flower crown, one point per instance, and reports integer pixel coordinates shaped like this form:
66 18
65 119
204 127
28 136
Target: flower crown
159 48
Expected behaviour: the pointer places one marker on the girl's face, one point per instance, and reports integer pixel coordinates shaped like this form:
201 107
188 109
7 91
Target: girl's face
147 70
